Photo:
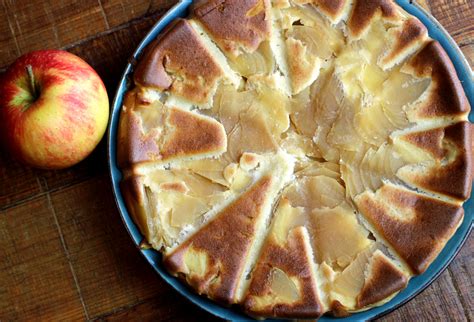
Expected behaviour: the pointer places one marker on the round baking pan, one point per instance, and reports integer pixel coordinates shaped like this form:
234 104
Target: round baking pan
416 284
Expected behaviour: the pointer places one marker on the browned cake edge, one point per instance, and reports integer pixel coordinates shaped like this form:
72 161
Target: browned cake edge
363 11
234 24
294 258
384 279
179 62
416 240
448 176
446 98
186 135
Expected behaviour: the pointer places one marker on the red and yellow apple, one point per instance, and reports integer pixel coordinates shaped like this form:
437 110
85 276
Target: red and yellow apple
54 109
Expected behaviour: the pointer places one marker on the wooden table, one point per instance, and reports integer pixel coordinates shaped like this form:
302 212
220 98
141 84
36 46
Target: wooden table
64 252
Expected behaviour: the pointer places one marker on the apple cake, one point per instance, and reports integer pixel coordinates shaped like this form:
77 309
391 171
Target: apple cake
296 158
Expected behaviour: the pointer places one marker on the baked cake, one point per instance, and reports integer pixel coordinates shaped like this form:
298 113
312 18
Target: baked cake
296 158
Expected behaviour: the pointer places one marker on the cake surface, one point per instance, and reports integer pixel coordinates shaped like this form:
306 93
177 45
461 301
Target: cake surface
294 157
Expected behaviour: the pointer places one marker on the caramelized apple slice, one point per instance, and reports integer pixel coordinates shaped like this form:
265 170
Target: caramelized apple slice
283 286
387 161
249 64
315 192
400 90
314 112
254 119
228 104
367 168
348 284
337 235
343 133
275 106
211 169
296 16
315 40
287 217
251 134
303 112
310 42
350 174
373 125
315 168
299 145
375 40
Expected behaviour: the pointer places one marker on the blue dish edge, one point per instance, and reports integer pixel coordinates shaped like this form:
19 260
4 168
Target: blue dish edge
416 285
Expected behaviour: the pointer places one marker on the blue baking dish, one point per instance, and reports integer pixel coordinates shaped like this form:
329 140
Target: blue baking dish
415 286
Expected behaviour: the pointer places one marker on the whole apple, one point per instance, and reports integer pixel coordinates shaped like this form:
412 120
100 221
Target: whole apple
54 109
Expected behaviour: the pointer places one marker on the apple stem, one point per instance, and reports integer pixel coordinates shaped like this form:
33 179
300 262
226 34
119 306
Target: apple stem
33 87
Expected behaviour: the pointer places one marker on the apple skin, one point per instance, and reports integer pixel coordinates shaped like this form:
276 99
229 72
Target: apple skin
65 122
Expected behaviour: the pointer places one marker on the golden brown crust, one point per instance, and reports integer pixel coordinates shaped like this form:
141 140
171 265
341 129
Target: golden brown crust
331 8
384 279
411 35
294 260
363 11
179 62
225 241
446 97
430 141
129 144
133 145
235 24
175 133
192 134
134 196
450 172
123 142
419 228
338 309
300 67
